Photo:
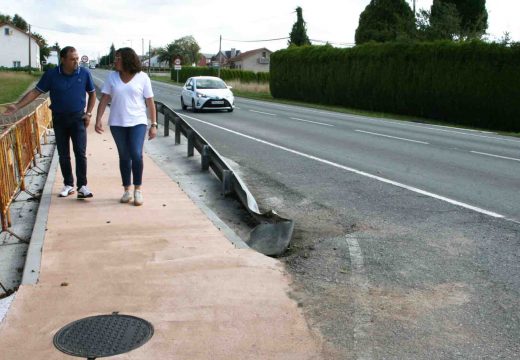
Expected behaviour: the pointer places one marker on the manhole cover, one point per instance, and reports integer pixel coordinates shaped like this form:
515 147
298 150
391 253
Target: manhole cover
103 335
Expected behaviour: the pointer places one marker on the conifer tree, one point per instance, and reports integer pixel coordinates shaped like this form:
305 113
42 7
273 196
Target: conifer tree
385 20
298 35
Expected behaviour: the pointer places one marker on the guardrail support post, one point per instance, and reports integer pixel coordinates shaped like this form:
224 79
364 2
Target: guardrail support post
204 158
226 181
191 142
177 131
166 124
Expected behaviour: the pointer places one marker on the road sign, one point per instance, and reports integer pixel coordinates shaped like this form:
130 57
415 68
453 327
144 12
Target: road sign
84 58
177 67
177 62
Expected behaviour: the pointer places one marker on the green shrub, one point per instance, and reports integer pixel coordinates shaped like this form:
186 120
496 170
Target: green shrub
471 83
225 74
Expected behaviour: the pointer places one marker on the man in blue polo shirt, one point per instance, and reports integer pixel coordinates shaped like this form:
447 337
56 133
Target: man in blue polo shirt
68 84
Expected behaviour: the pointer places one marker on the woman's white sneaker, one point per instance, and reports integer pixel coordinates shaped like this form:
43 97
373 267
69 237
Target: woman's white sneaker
127 197
138 198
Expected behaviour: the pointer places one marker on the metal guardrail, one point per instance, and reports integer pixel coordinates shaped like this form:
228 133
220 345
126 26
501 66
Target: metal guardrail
19 144
272 234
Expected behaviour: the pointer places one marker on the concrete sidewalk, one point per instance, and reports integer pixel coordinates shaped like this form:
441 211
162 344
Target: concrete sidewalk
164 262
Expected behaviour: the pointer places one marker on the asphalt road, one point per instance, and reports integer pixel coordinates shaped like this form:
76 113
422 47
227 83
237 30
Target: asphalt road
407 235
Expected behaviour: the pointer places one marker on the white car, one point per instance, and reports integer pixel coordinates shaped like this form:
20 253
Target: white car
207 92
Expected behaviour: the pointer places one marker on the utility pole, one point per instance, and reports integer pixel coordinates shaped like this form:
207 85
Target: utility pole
30 70
149 55
219 55
413 7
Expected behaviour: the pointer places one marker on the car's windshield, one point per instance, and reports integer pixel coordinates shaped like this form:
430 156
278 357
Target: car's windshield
210 84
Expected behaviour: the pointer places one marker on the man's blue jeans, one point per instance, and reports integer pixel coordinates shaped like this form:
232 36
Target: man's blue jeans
67 127
129 142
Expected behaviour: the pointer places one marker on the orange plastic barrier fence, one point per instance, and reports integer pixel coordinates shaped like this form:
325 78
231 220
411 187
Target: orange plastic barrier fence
19 145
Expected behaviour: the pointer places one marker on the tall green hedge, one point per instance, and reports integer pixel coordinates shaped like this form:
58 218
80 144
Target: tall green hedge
225 74
471 83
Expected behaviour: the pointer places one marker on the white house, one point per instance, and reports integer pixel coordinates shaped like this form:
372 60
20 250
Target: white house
254 60
53 58
155 62
14 47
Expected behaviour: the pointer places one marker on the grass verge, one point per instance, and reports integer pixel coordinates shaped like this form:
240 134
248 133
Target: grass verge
14 84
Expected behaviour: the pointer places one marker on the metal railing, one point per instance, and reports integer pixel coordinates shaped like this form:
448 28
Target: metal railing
20 142
272 234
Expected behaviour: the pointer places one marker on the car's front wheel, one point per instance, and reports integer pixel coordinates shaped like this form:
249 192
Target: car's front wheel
230 110
184 107
193 108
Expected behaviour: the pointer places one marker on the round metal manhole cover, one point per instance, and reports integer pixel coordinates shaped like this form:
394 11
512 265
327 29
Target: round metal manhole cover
103 335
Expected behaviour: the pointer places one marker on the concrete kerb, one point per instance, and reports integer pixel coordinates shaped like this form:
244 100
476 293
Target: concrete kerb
31 271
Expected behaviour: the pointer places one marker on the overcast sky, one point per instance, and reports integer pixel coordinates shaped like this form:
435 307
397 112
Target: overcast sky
92 26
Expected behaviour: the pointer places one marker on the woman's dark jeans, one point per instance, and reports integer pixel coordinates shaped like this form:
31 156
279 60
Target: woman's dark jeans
129 142
67 127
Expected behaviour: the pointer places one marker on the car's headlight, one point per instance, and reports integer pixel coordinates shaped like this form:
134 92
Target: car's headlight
200 95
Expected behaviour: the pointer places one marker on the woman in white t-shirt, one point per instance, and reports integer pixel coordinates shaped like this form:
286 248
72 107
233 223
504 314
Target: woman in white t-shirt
129 90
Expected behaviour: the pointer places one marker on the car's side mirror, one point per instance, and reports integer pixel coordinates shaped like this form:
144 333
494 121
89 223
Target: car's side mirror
230 87
189 87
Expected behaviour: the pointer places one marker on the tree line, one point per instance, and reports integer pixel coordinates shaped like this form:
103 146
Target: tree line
390 20
394 20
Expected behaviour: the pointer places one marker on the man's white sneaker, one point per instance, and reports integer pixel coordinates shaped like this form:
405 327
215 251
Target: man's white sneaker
84 193
138 198
127 197
66 191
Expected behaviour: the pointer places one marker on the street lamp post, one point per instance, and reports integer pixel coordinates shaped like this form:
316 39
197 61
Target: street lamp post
219 55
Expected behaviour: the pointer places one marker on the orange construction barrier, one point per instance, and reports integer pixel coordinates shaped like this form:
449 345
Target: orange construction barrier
19 144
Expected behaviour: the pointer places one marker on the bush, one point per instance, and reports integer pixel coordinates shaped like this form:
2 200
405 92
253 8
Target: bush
48 66
24 69
225 74
472 83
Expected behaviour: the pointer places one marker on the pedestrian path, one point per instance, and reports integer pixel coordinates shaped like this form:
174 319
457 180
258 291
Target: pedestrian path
165 262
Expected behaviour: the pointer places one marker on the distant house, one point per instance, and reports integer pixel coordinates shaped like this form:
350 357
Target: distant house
155 62
254 60
53 58
14 47
205 60
223 57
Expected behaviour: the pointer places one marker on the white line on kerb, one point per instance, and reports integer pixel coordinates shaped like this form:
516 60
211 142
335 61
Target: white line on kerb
362 173
309 121
392 137
261 112
497 156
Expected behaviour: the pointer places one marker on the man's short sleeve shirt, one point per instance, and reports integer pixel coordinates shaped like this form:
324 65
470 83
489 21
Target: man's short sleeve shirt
67 92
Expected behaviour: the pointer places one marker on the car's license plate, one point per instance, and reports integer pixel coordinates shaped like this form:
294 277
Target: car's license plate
217 102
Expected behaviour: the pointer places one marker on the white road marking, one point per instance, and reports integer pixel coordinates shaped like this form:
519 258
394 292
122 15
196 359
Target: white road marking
497 156
363 316
362 173
456 128
392 137
97 78
460 132
309 121
343 116
261 112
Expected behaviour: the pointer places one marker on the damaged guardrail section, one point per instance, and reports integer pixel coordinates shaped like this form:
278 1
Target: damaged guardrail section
272 234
